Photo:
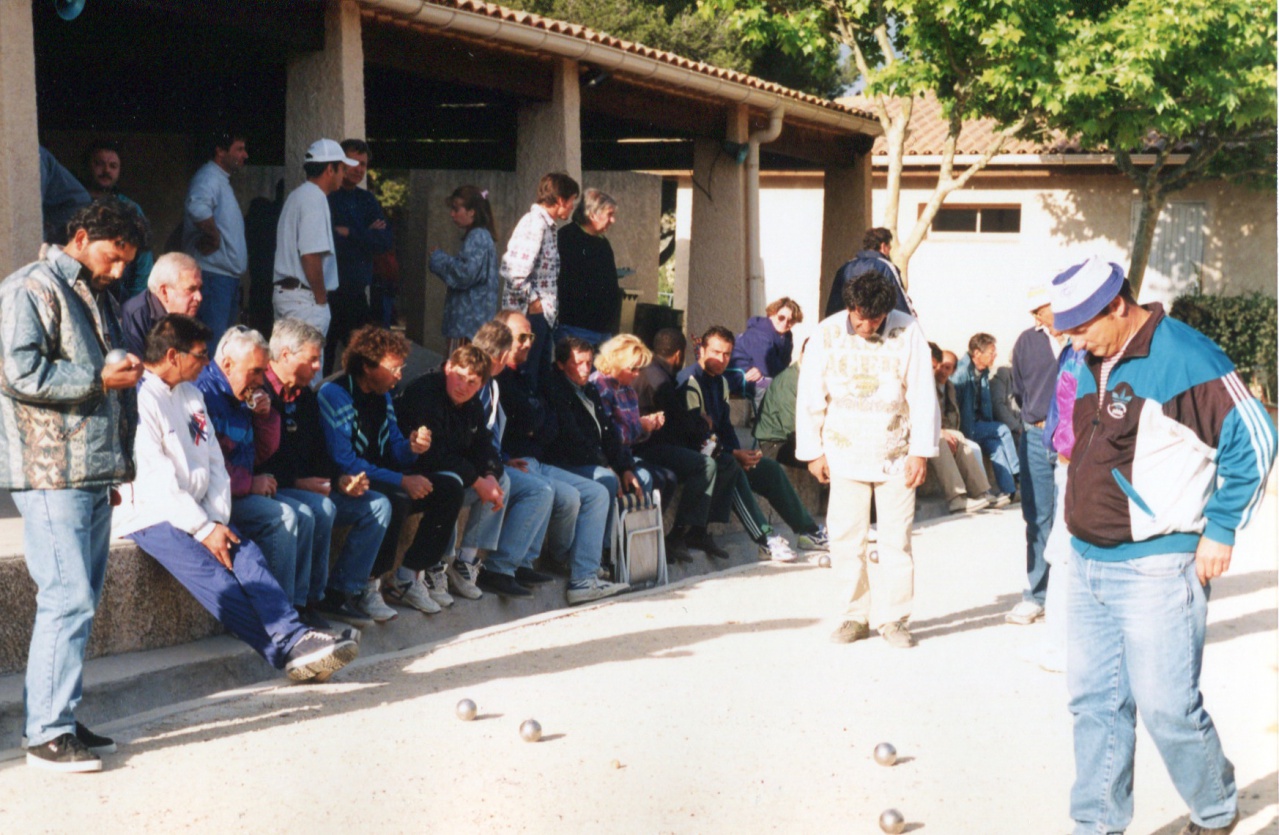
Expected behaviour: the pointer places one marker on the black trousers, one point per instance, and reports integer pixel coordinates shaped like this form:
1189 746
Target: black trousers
439 510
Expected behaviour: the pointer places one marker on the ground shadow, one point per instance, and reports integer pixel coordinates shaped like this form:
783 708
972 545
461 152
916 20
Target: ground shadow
1229 585
1251 623
954 623
1255 798
309 703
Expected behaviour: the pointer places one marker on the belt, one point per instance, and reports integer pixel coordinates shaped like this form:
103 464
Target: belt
290 284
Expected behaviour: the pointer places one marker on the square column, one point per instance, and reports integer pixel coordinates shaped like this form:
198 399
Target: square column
549 134
846 215
325 96
21 227
717 269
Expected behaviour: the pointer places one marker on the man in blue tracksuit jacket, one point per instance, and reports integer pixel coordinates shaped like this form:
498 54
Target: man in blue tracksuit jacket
1171 458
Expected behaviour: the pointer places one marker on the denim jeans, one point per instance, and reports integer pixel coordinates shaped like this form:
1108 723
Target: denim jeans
66 535
368 516
538 364
284 536
579 519
996 440
528 513
319 513
1135 646
483 529
220 307
1038 499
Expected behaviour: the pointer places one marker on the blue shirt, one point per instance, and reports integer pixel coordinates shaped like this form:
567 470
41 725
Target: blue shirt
211 196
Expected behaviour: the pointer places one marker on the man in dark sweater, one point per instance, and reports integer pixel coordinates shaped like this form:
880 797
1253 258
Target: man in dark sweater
743 472
290 442
1034 383
174 285
877 248
670 445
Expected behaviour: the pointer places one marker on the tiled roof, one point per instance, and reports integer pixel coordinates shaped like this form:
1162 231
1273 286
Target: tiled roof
590 35
928 129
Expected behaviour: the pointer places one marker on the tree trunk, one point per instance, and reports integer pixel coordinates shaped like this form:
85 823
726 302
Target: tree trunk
1152 203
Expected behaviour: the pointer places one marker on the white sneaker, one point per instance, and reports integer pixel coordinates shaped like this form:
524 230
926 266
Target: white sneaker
414 594
1025 613
777 549
999 499
371 603
967 504
818 540
462 576
437 583
593 588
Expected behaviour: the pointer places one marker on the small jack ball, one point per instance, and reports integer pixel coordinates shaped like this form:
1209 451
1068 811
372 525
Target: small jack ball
885 754
466 710
530 730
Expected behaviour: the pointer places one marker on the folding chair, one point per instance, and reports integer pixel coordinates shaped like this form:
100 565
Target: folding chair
639 545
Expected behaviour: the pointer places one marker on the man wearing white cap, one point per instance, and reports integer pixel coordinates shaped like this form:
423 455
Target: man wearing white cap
306 268
1034 374
1170 459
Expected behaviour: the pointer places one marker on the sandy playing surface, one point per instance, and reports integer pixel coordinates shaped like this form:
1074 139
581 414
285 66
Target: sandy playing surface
715 707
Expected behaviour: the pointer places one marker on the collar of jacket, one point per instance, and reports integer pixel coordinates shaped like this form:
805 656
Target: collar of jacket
1139 345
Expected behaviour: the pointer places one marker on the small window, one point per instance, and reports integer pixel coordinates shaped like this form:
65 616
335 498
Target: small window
983 220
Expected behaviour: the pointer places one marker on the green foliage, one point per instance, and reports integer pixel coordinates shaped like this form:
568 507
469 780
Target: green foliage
676 26
1245 328
391 188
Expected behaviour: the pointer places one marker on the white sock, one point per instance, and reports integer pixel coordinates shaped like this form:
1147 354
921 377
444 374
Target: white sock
468 555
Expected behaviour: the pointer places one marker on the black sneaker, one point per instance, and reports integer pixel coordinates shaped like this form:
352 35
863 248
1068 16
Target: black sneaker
339 606
503 584
96 743
66 753
316 653
677 547
529 577
701 539
312 620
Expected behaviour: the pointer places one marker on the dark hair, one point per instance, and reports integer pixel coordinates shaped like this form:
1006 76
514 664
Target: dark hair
472 359
797 313
315 169
980 342
876 237
224 139
871 293
369 345
100 145
110 219
493 338
718 332
1126 293
357 145
936 351
173 330
472 199
668 342
569 345
556 186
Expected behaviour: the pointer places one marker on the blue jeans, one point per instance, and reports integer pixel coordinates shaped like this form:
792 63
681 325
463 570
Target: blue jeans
368 516
284 536
997 442
66 535
246 600
1038 499
1135 645
319 513
220 307
579 519
528 513
607 479
540 355
484 525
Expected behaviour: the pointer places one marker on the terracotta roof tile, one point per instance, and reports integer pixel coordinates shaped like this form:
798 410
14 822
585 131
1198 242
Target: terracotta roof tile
577 31
928 129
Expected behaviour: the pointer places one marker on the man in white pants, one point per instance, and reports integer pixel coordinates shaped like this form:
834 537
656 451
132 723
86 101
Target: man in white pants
306 267
867 421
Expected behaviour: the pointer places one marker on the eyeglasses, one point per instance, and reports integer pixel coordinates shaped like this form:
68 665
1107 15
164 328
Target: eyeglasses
525 338
397 370
202 356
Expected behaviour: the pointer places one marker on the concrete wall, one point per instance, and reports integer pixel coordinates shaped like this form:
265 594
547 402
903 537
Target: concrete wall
634 237
21 225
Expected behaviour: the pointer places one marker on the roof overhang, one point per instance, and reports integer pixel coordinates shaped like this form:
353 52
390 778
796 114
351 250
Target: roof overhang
1055 160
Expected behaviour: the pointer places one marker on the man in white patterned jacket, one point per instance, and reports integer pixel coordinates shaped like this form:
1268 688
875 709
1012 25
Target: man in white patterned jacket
867 421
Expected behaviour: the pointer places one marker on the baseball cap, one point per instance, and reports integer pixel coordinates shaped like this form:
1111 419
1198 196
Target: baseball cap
326 150
1083 291
1037 296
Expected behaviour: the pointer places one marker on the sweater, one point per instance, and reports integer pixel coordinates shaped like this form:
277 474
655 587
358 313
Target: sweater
589 295
461 442
531 424
658 390
761 346
361 433
867 404
777 413
1174 447
290 438
1034 373
182 478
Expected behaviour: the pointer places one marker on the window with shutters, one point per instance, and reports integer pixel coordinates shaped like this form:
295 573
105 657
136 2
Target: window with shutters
1176 255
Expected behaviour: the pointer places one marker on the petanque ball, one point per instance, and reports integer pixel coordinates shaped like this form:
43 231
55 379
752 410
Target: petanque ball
823 561
115 355
530 730
885 754
874 556
891 821
466 710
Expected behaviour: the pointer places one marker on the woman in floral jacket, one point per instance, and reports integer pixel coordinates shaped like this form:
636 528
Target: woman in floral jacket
471 276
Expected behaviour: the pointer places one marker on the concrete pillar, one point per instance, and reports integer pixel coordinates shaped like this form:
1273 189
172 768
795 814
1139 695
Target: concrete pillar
325 97
549 134
846 216
21 229
717 271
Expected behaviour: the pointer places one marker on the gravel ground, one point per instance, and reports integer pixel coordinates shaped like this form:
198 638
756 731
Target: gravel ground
717 706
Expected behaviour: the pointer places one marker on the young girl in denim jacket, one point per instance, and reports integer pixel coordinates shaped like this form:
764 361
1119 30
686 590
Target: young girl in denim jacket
471 276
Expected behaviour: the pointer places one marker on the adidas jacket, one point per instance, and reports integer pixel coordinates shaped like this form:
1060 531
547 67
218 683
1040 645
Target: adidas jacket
1174 448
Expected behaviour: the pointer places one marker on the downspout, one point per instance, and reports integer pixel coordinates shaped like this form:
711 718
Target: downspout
754 262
